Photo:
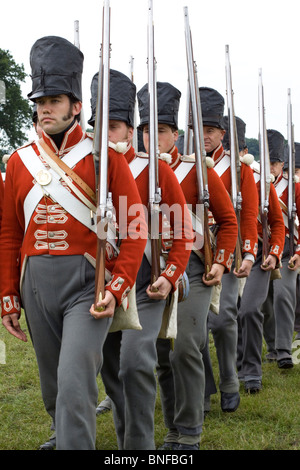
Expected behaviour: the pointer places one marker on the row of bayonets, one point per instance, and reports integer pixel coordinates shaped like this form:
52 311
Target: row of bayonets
193 133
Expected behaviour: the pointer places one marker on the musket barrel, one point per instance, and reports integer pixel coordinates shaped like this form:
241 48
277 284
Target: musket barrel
76 34
154 190
77 44
188 134
236 195
265 179
291 178
291 160
199 147
264 149
100 152
234 148
135 134
105 104
153 124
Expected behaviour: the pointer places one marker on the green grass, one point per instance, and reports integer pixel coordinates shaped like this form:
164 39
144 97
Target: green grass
269 420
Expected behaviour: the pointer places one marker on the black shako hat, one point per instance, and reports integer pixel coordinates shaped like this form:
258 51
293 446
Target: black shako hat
286 155
241 132
122 93
276 145
56 68
212 107
168 99
297 155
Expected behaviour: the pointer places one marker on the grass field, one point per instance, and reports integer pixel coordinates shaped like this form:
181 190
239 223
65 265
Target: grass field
269 420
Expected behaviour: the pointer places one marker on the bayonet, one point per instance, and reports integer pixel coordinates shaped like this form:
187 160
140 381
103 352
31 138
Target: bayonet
235 164
199 147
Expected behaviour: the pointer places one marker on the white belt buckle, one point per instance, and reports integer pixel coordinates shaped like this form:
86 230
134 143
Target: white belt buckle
43 177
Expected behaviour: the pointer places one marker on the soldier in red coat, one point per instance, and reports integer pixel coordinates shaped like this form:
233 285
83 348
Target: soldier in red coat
1 197
48 246
181 371
224 325
251 316
130 356
281 303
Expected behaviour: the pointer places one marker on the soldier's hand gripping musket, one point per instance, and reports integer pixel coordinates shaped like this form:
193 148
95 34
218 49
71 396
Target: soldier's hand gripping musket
100 152
292 210
265 179
199 148
154 189
235 164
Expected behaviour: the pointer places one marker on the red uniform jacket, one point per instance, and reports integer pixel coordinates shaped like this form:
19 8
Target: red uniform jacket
54 231
249 212
1 197
180 221
220 206
275 221
281 182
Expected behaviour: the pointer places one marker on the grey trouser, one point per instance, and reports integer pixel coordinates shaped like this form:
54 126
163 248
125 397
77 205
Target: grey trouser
225 333
297 310
128 371
182 387
251 321
280 307
57 294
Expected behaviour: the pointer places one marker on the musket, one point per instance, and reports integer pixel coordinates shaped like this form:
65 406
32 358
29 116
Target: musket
199 148
265 180
154 189
235 163
135 135
188 133
100 153
291 179
77 44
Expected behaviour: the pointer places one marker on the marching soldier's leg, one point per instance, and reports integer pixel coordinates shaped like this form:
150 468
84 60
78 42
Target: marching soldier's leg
79 367
224 330
251 321
137 366
113 386
49 343
269 324
167 393
210 385
284 308
297 310
76 368
78 393
186 358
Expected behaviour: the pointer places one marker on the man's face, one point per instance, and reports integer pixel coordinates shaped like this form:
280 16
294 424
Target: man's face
276 168
213 136
56 113
166 138
119 132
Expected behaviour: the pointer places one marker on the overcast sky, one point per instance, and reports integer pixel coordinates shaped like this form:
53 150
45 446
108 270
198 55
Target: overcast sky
260 34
